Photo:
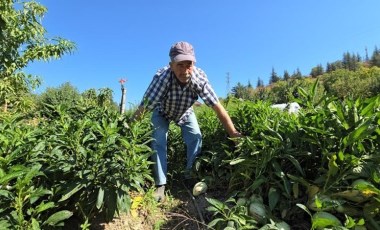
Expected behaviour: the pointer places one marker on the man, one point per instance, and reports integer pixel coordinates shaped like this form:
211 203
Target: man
170 95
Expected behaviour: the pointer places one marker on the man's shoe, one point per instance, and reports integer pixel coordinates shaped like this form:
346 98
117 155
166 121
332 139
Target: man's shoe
159 194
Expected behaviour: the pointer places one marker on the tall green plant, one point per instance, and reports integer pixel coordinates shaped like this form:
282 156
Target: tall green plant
324 158
99 162
25 200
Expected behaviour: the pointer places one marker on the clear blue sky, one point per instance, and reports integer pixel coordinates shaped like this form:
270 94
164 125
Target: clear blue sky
245 38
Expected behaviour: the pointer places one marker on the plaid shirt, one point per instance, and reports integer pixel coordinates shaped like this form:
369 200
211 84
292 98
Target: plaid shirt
173 101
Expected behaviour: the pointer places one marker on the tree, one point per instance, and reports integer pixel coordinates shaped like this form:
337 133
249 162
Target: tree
351 61
274 77
238 91
297 74
65 95
105 99
344 83
375 58
22 40
260 83
90 97
286 75
317 71
334 66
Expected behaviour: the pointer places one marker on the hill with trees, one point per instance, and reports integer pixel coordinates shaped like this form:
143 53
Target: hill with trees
352 76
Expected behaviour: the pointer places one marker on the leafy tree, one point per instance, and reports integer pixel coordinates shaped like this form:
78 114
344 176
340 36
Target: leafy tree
334 66
105 98
22 40
343 83
317 71
65 95
90 97
239 90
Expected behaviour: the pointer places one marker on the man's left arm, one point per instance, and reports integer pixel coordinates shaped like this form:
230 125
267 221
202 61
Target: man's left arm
225 119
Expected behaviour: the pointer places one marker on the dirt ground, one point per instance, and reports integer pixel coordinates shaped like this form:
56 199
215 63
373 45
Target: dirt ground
188 213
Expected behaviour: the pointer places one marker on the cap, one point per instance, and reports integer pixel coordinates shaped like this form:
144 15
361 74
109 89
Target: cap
182 51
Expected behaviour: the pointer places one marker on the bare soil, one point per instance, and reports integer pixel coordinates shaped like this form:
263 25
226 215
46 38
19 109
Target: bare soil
180 211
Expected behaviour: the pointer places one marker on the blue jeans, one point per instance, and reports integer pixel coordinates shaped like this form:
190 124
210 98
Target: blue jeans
191 135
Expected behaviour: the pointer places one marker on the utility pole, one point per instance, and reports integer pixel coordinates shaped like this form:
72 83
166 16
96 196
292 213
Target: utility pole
123 95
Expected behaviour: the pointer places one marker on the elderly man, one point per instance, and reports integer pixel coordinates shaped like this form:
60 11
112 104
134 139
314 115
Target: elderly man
171 95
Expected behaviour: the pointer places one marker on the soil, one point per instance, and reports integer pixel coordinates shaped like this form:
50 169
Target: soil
185 212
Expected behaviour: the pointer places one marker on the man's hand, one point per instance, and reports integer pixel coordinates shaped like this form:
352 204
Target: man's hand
236 134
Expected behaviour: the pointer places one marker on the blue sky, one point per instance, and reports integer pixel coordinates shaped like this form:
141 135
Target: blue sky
246 38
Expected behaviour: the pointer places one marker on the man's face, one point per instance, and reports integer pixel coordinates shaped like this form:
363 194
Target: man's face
182 70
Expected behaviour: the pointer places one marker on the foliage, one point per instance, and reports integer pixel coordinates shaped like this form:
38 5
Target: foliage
317 71
88 164
66 95
230 214
274 77
364 82
23 40
311 160
25 201
375 58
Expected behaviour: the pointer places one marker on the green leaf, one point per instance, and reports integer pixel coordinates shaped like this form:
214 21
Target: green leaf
5 225
236 161
33 172
39 192
110 204
57 217
216 203
257 183
299 180
11 176
360 132
273 197
321 220
123 202
5 193
42 207
214 222
99 201
35 224
72 192
295 163
372 105
304 208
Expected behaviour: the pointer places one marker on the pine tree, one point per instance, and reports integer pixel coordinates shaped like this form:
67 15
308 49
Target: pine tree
297 74
286 75
260 83
274 77
375 59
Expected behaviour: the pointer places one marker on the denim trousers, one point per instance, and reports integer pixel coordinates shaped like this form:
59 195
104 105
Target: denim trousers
191 135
